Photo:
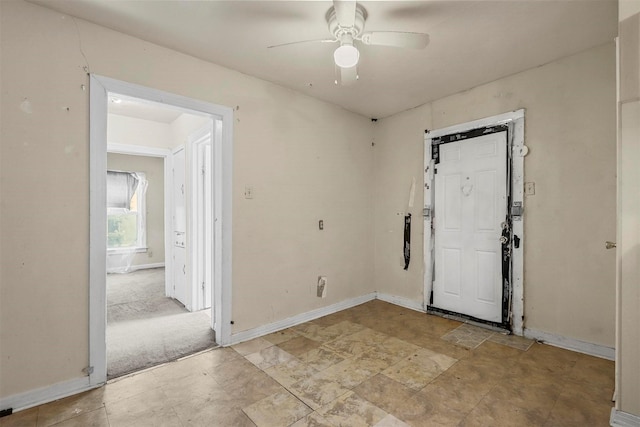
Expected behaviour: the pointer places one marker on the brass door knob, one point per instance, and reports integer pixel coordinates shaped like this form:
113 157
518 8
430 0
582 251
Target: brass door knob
610 245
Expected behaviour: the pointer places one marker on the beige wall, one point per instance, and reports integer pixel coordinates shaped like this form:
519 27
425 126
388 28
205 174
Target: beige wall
153 168
307 160
134 131
398 158
570 130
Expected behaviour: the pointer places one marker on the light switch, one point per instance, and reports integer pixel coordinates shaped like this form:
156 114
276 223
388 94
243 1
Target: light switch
529 188
248 192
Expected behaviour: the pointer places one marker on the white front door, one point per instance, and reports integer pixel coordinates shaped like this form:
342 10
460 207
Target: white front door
470 205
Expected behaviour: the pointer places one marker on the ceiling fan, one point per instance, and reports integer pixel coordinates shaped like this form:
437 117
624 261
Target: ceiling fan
346 21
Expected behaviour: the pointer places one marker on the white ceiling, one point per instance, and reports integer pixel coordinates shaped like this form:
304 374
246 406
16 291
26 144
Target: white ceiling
472 42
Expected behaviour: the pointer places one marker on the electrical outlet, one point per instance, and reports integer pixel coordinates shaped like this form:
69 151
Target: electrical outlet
322 286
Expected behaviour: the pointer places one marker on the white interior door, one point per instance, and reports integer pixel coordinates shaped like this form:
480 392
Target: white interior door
470 205
204 223
179 228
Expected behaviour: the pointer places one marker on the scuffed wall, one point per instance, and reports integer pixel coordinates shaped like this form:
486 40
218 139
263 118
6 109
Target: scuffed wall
301 169
570 127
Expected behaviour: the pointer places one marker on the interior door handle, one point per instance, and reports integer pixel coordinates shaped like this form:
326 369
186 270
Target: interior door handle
609 245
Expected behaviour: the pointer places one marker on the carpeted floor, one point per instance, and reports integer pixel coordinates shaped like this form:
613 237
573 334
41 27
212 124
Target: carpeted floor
145 328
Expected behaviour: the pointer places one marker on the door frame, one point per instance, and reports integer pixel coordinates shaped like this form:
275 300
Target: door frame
516 150
100 88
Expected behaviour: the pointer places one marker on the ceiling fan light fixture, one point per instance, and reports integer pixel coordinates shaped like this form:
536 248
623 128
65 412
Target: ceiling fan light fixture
346 56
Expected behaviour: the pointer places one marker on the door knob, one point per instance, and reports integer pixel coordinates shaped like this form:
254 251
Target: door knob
610 245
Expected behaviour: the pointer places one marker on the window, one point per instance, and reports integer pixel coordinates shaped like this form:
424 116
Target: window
126 213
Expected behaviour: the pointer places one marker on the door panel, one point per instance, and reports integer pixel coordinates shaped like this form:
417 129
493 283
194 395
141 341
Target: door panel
470 205
179 229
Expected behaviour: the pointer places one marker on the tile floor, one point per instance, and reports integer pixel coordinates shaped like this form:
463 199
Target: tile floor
373 365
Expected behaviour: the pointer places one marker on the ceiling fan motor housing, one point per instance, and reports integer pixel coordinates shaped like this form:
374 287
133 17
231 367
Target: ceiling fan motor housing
337 31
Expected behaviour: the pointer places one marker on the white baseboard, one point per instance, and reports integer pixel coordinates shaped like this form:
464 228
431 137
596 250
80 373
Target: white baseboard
401 301
139 267
249 334
572 344
623 419
39 396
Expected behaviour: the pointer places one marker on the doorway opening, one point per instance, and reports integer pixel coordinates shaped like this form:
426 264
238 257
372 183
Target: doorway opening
473 221
147 301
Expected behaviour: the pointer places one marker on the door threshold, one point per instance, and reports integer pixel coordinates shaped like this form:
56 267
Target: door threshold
486 324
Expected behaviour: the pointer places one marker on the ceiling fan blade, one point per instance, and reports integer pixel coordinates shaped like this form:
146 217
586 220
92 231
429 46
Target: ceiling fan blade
345 12
396 39
304 41
348 76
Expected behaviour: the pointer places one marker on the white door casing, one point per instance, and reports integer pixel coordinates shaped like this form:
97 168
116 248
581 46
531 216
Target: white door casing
515 152
470 205
100 88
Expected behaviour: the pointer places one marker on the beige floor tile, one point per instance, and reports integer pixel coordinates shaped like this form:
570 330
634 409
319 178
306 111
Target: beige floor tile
546 358
269 357
290 372
159 417
390 421
63 409
97 418
419 369
252 346
385 393
351 372
317 391
281 336
214 357
458 393
203 410
312 420
593 370
343 328
495 351
355 367
310 330
126 387
251 389
571 412
194 365
233 372
26 418
397 349
514 341
208 415
300 345
468 335
321 358
192 387
438 345
280 409
130 408
357 343
352 410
